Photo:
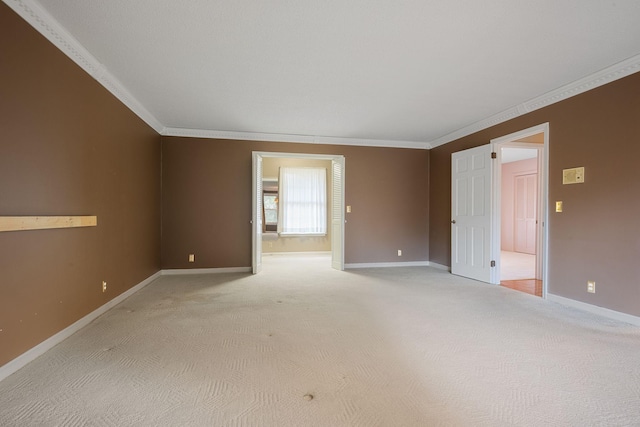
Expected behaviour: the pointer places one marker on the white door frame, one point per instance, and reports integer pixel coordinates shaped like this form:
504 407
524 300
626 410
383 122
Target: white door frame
256 252
542 253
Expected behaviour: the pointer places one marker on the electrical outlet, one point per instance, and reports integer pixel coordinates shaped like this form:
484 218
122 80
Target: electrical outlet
104 286
192 258
399 252
591 287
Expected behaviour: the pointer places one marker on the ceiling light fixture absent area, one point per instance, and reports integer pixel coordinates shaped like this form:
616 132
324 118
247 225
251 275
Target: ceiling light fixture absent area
87 32
273 137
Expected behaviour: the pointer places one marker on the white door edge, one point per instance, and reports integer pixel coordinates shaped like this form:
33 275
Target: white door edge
542 253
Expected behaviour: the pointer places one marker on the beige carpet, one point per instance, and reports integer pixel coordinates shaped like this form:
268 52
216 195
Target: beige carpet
304 345
516 266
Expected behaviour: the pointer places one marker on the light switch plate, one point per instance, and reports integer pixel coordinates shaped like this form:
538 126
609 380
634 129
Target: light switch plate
559 206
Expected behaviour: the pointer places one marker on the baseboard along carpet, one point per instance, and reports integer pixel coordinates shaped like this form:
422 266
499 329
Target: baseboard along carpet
301 344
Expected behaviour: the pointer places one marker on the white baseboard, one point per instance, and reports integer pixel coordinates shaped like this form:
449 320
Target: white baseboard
28 356
182 271
605 312
322 253
439 266
387 264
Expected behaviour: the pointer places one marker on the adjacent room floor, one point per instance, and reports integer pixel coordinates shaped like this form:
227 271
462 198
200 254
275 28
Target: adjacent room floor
303 345
518 272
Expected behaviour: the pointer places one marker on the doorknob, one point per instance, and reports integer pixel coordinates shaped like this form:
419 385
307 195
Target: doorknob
453 221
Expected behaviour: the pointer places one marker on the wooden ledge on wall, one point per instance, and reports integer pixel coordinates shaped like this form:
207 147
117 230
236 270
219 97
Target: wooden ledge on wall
22 223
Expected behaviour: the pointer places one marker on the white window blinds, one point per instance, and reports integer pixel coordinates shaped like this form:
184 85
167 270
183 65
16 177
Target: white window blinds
303 201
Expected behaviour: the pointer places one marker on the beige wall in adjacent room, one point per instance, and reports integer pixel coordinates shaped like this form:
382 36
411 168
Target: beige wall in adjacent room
274 243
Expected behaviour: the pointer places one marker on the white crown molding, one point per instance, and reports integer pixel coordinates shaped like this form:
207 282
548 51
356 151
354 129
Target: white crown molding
44 23
600 78
303 139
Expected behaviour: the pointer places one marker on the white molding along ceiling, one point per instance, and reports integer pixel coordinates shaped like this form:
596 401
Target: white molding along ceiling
306 139
42 21
383 105
608 75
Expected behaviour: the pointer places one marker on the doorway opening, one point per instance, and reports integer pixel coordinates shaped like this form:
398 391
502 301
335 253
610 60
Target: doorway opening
267 206
476 207
521 209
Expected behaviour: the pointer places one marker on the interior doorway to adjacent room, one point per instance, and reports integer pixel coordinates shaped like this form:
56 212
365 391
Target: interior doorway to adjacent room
522 212
487 238
265 193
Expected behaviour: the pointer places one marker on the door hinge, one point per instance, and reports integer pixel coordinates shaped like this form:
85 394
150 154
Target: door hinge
493 263
494 155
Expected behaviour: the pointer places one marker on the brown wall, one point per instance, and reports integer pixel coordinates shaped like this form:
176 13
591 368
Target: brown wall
206 204
597 237
68 147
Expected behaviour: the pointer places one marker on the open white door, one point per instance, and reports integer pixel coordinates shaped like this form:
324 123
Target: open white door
471 186
337 214
256 217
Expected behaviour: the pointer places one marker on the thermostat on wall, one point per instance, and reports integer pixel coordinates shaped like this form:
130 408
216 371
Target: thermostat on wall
573 176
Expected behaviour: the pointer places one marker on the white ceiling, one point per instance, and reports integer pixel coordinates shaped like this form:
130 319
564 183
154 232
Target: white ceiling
402 72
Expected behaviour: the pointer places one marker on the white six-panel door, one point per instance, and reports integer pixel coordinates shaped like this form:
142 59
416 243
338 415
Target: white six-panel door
526 215
471 185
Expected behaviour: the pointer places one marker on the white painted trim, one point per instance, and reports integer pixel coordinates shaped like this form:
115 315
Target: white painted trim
302 139
601 311
524 133
186 271
30 355
43 22
542 245
600 78
323 253
387 264
333 158
439 266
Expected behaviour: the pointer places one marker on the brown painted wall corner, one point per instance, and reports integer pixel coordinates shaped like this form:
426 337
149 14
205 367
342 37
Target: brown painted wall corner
68 147
597 235
206 204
